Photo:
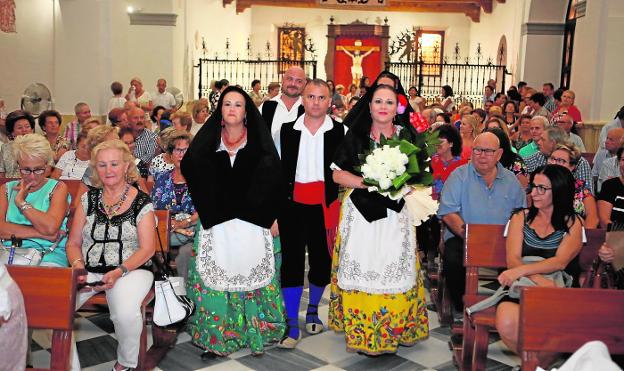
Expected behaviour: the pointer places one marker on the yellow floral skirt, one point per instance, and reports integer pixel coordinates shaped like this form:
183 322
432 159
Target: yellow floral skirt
378 323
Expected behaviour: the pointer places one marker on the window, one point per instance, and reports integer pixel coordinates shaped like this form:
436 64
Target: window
430 49
290 46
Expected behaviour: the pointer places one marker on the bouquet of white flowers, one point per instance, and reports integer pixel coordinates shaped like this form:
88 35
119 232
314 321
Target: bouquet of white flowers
383 166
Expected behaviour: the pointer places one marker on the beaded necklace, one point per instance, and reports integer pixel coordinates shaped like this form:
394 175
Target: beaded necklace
111 210
232 144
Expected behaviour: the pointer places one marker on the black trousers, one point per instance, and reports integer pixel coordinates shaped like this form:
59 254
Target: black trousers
454 271
300 226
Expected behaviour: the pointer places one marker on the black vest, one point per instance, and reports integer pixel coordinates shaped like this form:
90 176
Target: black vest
268 112
289 141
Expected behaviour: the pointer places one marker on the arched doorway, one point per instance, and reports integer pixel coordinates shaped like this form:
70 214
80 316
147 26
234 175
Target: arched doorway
501 60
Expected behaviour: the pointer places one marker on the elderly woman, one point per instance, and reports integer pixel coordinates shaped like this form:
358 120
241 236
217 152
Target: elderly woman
127 136
182 121
550 229
523 135
446 158
170 192
568 156
162 162
234 177
567 107
17 123
137 94
35 208
367 285
200 114
73 163
50 123
113 237
95 137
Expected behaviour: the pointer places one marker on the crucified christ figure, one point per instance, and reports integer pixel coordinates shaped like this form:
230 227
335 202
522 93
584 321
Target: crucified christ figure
356 68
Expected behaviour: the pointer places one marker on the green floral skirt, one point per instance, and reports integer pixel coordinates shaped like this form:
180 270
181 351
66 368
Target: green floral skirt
225 322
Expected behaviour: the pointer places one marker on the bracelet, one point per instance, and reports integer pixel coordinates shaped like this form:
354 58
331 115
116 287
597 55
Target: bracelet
25 206
75 261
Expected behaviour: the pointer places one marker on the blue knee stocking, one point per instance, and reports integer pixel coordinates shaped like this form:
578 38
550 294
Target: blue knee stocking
316 293
292 299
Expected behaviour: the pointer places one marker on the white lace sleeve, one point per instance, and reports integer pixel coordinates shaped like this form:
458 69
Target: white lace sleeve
84 202
146 209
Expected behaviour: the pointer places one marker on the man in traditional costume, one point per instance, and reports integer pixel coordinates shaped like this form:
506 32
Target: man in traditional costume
310 216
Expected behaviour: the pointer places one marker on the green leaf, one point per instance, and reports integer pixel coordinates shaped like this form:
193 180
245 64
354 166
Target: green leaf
400 180
412 165
407 147
426 179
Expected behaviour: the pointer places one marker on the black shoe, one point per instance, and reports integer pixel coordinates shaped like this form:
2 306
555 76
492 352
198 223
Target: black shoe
208 355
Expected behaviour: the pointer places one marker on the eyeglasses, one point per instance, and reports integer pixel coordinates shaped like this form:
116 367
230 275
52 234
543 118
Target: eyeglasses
180 151
26 171
486 151
557 160
540 188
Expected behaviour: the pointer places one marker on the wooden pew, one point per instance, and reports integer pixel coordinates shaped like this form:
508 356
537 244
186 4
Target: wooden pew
50 300
439 292
98 302
549 324
486 248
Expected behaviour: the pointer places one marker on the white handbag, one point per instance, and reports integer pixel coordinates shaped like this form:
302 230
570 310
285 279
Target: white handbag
17 255
171 303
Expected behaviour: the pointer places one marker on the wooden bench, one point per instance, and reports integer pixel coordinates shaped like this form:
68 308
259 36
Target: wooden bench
486 248
439 292
50 300
549 324
98 302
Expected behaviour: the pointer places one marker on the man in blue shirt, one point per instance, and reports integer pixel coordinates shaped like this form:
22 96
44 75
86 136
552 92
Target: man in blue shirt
481 192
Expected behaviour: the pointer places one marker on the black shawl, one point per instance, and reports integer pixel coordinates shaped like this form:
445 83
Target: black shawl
371 205
251 190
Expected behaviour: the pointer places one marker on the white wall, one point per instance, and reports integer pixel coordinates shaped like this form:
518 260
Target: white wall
597 76
28 54
505 20
265 21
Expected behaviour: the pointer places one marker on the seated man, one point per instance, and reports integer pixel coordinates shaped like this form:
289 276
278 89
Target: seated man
551 137
538 125
566 123
481 192
607 150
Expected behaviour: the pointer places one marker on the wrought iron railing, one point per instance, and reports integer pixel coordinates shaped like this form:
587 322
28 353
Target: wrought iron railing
243 72
468 80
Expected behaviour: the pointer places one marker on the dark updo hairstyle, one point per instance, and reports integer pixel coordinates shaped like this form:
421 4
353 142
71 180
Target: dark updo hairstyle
44 116
155 112
17 115
508 158
451 134
562 183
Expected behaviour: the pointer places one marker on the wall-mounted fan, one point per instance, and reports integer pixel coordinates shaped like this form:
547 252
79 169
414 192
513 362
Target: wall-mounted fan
36 99
177 94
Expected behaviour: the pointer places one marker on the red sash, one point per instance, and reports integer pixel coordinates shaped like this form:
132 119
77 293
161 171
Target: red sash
314 194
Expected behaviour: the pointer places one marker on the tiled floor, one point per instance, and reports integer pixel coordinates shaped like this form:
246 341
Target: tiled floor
326 351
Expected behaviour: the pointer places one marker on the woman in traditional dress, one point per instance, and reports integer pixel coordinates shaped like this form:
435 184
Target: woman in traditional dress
377 293
234 177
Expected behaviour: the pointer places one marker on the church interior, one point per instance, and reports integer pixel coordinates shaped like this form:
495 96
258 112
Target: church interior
57 53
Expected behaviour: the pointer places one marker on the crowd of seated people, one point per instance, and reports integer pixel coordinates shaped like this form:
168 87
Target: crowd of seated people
522 140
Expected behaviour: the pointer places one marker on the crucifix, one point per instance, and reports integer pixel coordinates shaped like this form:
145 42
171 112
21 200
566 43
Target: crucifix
355 52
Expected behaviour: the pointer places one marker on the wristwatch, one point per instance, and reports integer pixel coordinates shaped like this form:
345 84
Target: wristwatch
124 270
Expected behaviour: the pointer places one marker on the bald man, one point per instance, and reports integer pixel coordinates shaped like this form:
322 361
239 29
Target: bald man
286 106
480 192
608 149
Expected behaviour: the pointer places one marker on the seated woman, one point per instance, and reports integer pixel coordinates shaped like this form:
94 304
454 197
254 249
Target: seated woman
611 198
510 160
127 136
73 163
568 156
163 161
171 193
550 229
522 136
113 237
50 122
34 208
17 123
446 158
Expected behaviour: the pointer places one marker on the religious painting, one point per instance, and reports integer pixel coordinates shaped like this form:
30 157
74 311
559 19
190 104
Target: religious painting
7 15
290 46
356 57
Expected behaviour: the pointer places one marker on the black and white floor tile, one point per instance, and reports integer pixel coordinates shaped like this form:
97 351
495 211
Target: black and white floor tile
96 345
